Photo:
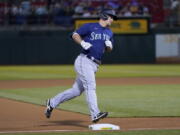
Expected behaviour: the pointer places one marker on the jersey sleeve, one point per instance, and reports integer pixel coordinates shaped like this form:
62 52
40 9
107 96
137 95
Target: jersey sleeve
83 30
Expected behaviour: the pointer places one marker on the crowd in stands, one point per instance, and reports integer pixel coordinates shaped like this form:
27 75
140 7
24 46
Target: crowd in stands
173 13
63 12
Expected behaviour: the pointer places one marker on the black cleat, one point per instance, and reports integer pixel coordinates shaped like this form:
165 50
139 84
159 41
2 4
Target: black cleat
48 110
100 115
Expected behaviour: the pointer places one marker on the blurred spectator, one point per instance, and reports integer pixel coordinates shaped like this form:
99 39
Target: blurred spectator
14 10
134 7
143 10
26 7
41 10
79 9
57 9
126 12
174 4
174 9
113 5
86 13
41 14
60 12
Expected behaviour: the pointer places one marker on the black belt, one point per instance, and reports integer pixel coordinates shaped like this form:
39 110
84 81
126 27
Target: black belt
93 59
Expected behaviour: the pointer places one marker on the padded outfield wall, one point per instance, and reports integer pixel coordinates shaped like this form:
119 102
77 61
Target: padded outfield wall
56 47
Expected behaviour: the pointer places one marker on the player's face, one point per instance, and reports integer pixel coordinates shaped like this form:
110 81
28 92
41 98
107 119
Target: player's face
109 21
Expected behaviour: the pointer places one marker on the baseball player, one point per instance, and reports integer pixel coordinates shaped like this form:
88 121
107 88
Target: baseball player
95 39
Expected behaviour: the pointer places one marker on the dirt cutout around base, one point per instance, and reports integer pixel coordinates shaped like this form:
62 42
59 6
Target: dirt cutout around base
19 116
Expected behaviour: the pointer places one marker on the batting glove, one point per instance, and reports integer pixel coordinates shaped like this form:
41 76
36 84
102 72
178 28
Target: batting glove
108 44
85 45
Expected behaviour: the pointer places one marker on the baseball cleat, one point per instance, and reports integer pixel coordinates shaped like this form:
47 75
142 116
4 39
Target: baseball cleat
100 115
48 110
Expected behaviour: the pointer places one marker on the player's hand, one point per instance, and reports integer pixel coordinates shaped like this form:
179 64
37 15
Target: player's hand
108 43
85 45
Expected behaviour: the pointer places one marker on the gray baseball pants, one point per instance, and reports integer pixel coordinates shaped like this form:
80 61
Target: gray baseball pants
85 82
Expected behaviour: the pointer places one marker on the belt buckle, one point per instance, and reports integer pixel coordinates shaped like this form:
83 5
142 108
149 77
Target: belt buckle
92 58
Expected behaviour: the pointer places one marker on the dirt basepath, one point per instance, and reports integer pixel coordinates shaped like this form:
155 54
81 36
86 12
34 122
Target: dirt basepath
6 84
18 116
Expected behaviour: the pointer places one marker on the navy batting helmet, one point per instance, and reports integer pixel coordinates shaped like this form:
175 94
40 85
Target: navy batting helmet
107 12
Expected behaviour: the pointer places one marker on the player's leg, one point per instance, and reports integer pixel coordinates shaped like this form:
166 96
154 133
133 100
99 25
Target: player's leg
86 71
90 93
66 95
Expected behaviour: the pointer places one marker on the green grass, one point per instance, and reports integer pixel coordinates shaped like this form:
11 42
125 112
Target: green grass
120 101
157 132
36 72
67 71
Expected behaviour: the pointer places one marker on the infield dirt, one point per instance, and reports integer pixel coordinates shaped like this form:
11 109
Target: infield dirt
12 84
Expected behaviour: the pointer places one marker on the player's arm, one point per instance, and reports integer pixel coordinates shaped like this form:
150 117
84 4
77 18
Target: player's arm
77 38
109 46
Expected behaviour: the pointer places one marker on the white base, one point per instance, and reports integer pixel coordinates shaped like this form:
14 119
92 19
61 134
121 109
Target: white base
104 127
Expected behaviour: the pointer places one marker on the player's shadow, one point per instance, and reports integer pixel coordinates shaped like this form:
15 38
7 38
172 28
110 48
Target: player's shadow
77 123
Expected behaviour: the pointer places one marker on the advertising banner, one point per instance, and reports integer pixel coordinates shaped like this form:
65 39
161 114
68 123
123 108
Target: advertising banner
122 26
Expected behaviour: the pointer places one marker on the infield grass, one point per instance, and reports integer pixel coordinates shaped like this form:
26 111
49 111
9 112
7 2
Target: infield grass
67 71
149 132
120 101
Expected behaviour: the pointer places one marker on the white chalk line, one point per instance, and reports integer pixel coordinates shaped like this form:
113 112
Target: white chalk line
48 131
133 129
41 131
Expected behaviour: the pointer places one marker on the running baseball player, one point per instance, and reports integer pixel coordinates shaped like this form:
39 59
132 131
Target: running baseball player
95 39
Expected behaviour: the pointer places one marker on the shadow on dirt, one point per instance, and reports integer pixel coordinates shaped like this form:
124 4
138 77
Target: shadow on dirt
77 123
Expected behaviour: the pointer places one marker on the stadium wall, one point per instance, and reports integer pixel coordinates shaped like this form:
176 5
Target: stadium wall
56 47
